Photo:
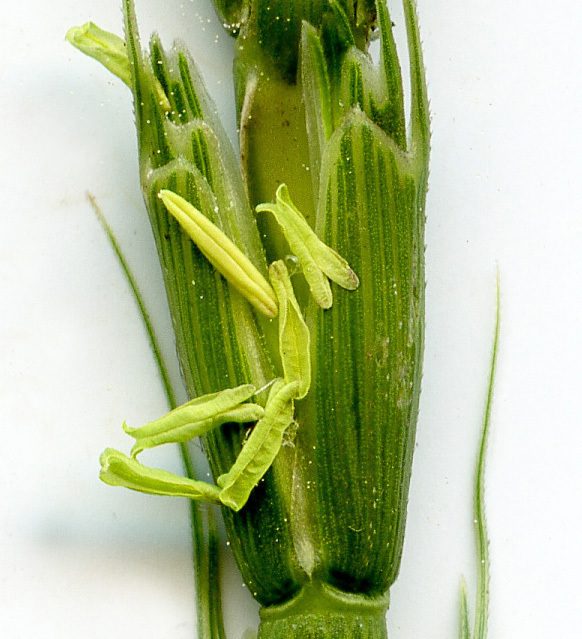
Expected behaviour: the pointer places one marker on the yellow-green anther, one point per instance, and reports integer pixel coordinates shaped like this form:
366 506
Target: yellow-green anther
197 417
110 50
294 341
103 46
318 261
182 433
223 254
261 448
118 469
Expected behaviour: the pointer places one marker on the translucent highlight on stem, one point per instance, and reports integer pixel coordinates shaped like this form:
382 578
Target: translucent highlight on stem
222 253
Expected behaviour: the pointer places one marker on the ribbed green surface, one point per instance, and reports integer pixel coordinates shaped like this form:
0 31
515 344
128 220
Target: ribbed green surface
368 349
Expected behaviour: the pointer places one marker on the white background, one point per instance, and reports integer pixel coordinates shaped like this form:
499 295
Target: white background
79 559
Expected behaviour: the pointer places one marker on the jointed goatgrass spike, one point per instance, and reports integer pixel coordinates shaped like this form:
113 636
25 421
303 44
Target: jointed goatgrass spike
318 525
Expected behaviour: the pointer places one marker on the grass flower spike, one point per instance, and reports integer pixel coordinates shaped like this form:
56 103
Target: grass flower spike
304 383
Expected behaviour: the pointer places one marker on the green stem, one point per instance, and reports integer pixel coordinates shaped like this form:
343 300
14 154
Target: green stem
320 611
482 608
480 521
